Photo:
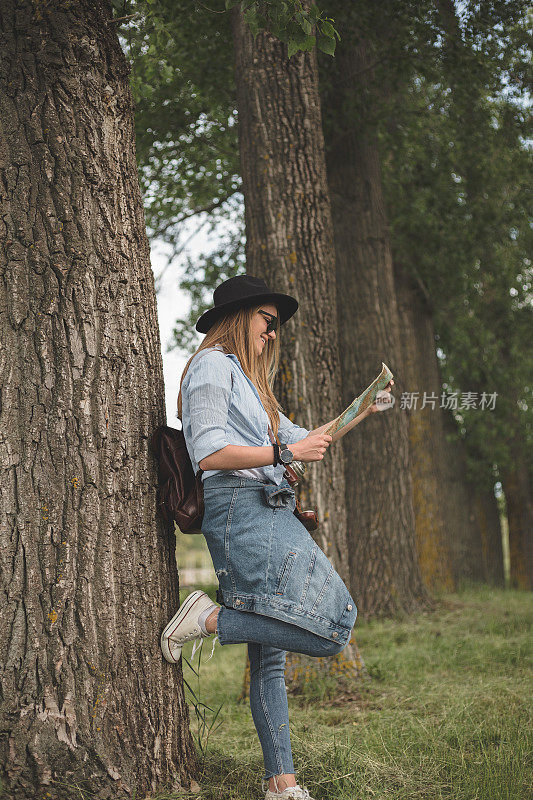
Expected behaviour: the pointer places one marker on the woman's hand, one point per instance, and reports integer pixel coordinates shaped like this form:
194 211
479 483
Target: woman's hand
312 448
379 407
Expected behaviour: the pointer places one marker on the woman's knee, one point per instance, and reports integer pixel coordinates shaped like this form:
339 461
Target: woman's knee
334 648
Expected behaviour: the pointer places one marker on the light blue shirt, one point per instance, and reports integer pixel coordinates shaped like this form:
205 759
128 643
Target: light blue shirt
221 406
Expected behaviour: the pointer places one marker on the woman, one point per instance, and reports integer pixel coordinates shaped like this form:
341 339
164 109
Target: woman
278 591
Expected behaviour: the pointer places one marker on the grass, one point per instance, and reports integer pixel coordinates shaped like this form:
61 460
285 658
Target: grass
445 714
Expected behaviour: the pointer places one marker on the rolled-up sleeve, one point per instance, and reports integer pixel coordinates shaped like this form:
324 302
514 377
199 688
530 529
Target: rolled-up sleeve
289 432
209 393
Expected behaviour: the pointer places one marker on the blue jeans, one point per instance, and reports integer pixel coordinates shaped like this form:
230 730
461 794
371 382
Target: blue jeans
267 641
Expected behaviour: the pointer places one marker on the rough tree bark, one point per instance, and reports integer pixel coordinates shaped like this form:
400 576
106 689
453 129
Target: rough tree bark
289 243
487 516
516 482
426 433
383 557
458 528
88 574
475 543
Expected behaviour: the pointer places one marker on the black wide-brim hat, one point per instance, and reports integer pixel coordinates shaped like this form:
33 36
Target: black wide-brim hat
241 291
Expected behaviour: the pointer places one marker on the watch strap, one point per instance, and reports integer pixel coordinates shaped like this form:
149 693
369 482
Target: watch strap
276 454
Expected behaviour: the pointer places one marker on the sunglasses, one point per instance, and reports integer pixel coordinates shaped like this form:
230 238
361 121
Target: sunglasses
272 321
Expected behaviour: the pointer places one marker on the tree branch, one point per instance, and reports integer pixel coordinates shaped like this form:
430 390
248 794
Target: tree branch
204 210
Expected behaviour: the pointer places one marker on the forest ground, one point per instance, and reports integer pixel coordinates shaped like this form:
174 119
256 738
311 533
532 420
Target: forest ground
444 715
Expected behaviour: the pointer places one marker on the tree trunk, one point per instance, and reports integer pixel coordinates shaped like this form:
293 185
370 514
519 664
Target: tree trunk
88 573
516 482
457 521
467 101
383 557
289 244
465 542
426 433
487 516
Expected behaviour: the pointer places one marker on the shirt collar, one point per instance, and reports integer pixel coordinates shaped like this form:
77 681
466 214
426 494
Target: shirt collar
236 361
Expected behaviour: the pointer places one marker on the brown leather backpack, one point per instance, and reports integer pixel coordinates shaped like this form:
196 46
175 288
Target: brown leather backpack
180 496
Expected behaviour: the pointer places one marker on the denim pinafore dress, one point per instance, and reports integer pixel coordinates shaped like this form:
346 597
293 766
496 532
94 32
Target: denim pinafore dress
267 562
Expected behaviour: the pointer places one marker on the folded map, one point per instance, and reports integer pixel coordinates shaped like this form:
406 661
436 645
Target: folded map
361 403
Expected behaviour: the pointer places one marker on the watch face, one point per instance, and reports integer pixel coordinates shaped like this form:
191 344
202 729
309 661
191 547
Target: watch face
286 455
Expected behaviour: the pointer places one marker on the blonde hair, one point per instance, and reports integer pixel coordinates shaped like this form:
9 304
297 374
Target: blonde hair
233 333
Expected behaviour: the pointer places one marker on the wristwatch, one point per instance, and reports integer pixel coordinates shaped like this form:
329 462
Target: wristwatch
285 455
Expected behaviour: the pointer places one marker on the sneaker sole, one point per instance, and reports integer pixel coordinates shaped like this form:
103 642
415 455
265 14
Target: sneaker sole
178 618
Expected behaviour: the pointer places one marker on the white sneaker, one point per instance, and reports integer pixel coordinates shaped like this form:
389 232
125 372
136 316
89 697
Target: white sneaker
290 793
185 625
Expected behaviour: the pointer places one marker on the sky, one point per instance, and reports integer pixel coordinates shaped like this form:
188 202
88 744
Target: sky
171 304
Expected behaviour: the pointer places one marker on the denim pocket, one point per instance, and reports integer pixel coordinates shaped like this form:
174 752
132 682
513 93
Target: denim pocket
280 497
285 571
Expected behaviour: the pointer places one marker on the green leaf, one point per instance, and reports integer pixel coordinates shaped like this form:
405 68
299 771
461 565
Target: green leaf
308 43
300 43
293 47
314 12
250 15
327 45
327 29
305 24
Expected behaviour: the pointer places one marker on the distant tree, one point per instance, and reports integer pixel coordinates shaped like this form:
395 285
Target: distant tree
485 282
383 554
502 259
441 236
